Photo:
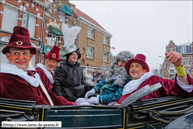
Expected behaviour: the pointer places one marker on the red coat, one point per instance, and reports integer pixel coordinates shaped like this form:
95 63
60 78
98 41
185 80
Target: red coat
57 100
45 79
15 87
169 87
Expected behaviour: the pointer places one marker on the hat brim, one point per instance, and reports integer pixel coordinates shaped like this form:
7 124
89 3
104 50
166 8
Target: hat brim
77 51
6 49
52 58
128 63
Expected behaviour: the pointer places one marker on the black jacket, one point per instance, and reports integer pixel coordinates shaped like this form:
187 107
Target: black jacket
69 81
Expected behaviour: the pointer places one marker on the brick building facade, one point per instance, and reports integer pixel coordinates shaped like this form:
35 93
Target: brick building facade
58 12
44 24
11 12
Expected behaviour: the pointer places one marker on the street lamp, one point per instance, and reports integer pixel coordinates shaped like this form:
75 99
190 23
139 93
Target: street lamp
163 67
161 56
158 69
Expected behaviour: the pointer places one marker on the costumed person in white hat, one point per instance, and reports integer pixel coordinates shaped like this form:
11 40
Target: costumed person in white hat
16 80
110 89
138 69
69 81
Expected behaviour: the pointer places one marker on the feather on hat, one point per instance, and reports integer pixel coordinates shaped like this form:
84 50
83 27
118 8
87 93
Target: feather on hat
69 36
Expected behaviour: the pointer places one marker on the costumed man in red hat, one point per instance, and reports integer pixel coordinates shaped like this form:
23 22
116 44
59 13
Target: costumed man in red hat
16 80
46 73
138 69
69 81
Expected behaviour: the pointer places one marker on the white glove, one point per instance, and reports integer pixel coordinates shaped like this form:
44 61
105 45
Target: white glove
93 100
89 93
112 103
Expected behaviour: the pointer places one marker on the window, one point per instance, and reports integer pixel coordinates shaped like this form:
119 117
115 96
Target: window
33 60
34 45
3 58
172 71
171 49
10 17
183 49
105 56
90 33
186 61
31 25
171 64
187 71
62 16
52 40
89 52
105 40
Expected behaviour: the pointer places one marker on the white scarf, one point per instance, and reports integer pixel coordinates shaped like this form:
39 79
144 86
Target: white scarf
48 74
134 84
12 69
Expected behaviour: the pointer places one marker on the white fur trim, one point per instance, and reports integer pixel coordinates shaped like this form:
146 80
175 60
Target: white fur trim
187 88
112 103
12 69
134 84
48 74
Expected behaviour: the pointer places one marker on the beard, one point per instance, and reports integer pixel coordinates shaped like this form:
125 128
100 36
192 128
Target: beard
118 70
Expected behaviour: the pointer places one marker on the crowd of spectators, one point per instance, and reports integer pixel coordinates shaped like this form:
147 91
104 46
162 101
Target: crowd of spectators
94 78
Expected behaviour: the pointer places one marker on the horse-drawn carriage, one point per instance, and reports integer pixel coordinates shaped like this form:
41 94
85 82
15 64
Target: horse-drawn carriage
153 113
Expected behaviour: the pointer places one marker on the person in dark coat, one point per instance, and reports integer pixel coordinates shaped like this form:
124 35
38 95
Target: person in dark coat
94 77
102 76
98 73
69 81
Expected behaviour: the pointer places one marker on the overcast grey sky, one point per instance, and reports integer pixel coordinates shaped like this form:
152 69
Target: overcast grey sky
142 26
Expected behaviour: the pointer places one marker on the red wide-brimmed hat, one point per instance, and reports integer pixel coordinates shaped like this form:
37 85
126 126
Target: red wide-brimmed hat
54 53
20 38
139 58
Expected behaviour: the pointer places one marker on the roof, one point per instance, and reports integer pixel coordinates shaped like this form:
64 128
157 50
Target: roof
185 44
78 13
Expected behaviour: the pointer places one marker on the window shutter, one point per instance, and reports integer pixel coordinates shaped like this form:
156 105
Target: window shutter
87 51
187 51
179 49
91 52
10 17
188 48
104 56
31 25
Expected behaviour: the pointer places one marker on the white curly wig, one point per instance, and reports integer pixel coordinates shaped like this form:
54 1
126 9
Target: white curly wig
115 69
